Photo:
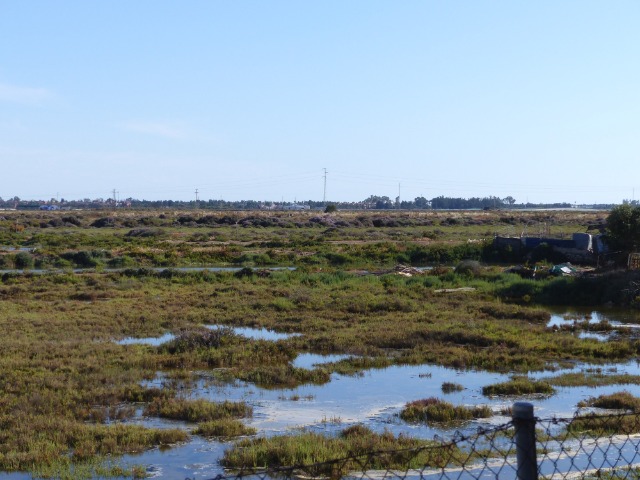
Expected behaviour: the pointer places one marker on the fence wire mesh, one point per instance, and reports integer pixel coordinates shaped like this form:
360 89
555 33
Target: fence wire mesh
587 446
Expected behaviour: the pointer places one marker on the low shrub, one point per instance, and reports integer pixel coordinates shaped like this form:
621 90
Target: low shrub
469 268
23 260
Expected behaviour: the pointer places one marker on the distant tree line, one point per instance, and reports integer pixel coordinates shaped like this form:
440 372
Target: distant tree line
373 202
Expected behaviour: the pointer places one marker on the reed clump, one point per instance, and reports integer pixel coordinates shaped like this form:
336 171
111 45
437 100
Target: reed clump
224 427
283 376
202 338
519 385
451 387
616 401
199 410
593 379
599 426
434 410
316 452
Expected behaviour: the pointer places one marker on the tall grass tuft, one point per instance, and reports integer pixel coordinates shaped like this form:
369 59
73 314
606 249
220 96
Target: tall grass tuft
311 448
224 427
434 410
197 410
519 385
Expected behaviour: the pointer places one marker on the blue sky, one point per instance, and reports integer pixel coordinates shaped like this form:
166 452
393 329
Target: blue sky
252 99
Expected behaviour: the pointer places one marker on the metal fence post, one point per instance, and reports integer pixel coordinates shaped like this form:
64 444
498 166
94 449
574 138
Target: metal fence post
525 424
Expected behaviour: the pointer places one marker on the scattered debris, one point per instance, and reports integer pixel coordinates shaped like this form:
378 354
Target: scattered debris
563 269
407 271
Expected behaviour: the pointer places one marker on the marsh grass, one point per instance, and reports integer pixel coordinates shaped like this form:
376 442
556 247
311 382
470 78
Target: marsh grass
224 427
519 385
65 383
451 387
97 467
600 426
615 401
311 448
593 379
199 410
202 338
285 376
434 410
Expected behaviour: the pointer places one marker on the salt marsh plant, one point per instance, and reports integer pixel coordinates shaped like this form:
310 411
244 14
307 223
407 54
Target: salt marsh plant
593 379
197 410
309 448
519 385
616 401
434 410
224 428
451 387
600 426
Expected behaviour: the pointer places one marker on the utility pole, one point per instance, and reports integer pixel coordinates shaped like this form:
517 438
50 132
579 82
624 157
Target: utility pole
398 195
324 196
196 198
115 201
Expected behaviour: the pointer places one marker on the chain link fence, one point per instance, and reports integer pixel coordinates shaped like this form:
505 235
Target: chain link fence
586 446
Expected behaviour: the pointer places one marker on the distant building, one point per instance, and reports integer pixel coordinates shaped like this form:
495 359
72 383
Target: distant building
296 206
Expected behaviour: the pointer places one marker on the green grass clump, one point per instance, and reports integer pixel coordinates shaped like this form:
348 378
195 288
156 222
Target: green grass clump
519 386
198 339
311 449
593 379
62 443
600 426
197 410
280 376
438 411
451 387
97 467
617 401
224 427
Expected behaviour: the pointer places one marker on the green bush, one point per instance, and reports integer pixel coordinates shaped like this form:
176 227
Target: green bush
330 209
23 260
469 268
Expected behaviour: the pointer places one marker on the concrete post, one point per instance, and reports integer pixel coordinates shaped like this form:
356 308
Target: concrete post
525 438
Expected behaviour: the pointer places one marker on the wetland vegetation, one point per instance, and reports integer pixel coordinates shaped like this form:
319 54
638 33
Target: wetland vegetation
312 448
436 410
70 393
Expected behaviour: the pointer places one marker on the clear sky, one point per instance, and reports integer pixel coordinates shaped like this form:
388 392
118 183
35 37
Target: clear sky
538 100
